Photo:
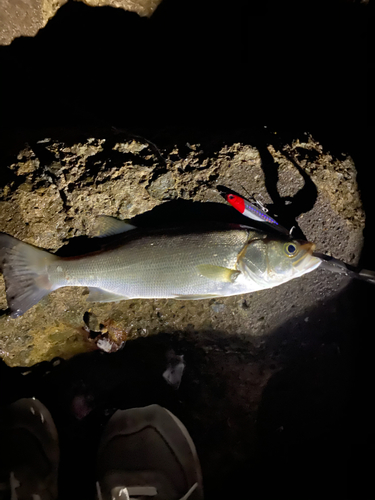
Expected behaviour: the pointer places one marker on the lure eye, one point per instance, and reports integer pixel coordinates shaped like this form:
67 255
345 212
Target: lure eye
290 249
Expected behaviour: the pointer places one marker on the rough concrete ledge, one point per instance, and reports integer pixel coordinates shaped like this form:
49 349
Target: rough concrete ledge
52 190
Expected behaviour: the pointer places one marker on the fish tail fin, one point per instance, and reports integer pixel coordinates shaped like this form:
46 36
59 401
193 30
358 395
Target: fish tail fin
24 268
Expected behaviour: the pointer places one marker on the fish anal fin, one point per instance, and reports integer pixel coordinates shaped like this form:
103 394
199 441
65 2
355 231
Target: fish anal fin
99 295
105 225
197 296
218 273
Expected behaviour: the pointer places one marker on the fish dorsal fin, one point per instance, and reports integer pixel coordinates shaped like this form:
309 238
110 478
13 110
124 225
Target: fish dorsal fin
109 226
218 273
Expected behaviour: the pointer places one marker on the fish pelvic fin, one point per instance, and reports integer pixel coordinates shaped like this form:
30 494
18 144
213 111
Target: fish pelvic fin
99 295
25 271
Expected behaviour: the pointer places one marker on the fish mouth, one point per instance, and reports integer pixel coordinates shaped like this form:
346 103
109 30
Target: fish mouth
308 261
308 247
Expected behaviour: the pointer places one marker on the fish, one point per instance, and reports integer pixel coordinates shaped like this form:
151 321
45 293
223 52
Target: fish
207 261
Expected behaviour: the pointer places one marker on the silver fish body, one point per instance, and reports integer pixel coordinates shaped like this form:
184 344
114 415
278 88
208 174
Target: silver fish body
185 263
158 265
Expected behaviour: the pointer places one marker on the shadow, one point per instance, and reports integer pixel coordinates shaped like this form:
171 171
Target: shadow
126 69
175 213
304 417
189 212
279 406
288 208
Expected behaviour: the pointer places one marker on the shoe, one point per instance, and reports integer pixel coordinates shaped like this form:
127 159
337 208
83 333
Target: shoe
147 453
29 452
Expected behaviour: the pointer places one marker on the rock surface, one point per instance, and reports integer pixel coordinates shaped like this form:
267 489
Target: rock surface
141 7
53 189
26 18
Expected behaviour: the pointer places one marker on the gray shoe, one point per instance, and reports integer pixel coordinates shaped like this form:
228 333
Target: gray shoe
147 454
29 452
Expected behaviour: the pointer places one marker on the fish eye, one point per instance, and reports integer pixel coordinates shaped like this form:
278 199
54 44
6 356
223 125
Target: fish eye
290 249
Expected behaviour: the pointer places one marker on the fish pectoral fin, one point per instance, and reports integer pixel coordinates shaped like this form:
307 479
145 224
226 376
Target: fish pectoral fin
99 295
218 273
197 296
109 226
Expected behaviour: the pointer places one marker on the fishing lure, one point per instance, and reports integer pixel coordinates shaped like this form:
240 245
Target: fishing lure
248 209
255 212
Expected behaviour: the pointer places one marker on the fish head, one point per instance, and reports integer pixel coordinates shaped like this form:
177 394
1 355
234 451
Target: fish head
271 262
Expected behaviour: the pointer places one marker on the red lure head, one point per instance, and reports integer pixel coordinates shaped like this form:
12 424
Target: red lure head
236 201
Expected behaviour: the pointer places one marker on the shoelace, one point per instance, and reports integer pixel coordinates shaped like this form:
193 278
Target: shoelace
138 492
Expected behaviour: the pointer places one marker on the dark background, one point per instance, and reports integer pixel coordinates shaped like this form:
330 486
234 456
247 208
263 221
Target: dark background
193 63
222 70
